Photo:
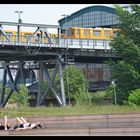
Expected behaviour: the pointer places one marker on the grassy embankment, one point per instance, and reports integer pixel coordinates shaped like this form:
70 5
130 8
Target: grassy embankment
68 110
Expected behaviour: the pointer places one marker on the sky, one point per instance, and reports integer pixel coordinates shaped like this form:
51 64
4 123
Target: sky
39 14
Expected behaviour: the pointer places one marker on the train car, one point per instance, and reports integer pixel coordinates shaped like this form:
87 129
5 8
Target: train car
40 39
27 36
90 33
73 33
13 36
10 34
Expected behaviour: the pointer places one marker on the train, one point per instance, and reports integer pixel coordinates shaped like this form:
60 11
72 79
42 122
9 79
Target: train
25 36
73 32
90 33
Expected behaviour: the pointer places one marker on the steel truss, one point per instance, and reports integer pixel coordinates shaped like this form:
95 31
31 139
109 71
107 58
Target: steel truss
7 72
40 28
43 69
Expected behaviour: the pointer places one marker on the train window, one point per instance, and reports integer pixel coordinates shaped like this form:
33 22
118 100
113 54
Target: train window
9 33
28 36
86 33
97 33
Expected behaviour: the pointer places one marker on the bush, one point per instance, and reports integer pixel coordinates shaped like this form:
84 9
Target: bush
82 97
21 98
100 96
74 81
134 97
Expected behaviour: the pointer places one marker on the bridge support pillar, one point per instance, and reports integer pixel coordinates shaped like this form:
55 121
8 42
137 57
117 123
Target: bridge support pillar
50 80
12 81
62 84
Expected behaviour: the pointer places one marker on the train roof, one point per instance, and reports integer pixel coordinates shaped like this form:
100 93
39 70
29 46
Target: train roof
92 28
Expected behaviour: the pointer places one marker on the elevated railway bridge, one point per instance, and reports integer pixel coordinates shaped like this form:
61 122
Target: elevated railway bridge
16 53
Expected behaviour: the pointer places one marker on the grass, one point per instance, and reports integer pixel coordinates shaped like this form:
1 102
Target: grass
68 110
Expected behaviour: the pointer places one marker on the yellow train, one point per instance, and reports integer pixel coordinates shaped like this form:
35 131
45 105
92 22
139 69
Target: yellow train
90 33
25 36
12 35
74 32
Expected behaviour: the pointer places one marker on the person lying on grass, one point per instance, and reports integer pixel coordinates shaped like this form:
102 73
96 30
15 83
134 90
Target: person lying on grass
23 124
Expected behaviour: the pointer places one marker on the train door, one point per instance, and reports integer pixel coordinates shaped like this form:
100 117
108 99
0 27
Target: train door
86 33
77 33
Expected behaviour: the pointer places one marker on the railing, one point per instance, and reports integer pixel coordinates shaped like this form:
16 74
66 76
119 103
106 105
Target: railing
56 42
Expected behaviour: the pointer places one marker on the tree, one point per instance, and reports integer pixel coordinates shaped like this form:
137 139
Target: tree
134 97
74 81
127 46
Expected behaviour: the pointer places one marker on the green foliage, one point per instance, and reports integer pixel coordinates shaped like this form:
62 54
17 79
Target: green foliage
127 77
21 98
74 80
99 96
68 110
82 97
126 71
56 85
75 85
0 85
44 87
134 97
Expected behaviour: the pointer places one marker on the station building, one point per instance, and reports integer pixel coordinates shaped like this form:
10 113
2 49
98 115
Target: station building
89 17
97 74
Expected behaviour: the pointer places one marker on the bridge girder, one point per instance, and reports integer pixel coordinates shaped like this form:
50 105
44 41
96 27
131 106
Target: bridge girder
42 69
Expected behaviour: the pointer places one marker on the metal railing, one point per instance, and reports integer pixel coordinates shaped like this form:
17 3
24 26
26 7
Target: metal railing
56 42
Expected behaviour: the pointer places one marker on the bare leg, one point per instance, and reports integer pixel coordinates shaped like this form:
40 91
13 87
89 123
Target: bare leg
23 120
19 120
5 122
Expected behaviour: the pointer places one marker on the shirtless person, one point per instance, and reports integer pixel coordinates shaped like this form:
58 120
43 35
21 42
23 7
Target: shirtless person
23 124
